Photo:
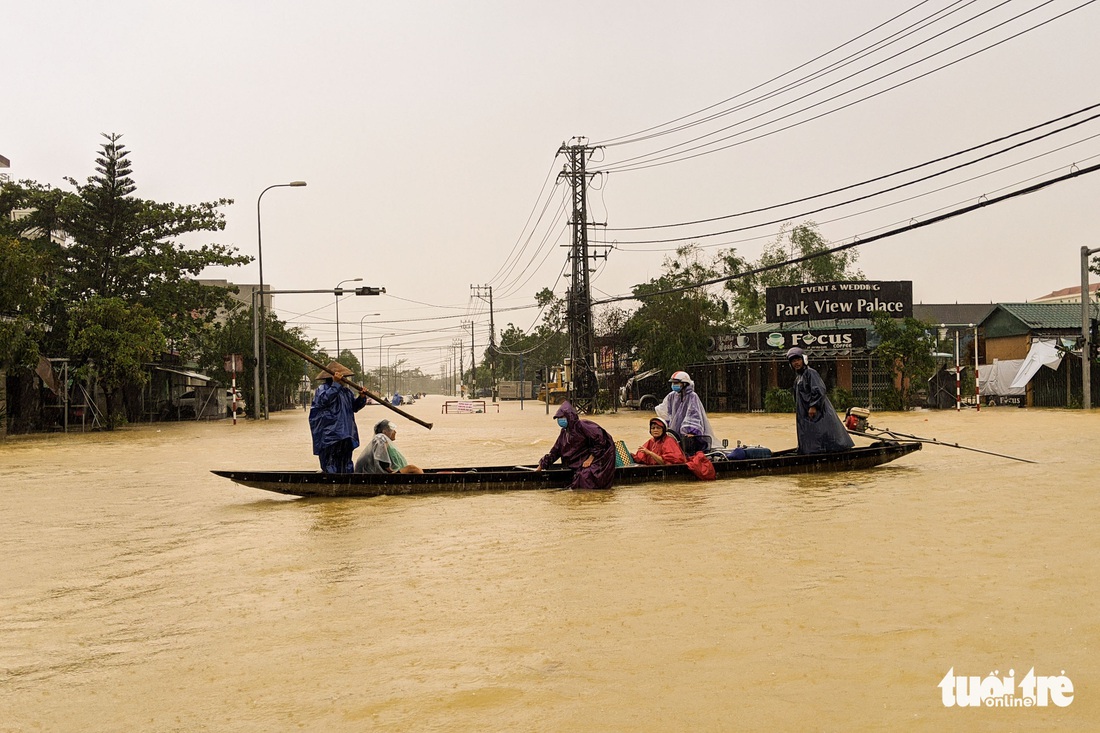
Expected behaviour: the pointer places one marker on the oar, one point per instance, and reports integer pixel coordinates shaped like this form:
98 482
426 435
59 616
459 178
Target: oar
881 432
347 381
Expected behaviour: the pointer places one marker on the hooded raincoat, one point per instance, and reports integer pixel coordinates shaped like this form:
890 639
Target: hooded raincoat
578 440
823 433
332 423
665 446
684 414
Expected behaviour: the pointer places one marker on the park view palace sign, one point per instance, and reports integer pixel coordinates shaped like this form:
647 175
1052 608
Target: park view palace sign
856 299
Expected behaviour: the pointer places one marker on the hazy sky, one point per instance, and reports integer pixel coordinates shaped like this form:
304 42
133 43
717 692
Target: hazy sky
428 133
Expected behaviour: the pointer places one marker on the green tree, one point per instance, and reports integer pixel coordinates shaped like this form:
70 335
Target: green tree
22 298
671 330
284 370
546 345
122 246
749 292
907 344
113 340
101 242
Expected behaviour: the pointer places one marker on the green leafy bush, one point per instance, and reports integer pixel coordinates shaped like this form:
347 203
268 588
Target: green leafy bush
779 400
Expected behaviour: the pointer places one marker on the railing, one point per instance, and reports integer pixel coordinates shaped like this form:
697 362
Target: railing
466 406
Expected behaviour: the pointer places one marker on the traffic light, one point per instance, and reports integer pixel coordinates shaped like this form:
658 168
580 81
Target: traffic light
1094 337
369 291
538 375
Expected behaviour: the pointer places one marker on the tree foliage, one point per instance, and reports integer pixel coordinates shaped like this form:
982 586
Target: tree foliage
102 254
113 340
546 345
671 330
22 298
748 292
908 344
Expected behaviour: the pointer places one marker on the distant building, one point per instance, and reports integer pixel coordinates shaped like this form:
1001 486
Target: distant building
244 293
1068 295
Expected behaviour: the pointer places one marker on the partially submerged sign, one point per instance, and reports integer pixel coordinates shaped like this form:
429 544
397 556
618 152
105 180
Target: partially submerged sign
854 299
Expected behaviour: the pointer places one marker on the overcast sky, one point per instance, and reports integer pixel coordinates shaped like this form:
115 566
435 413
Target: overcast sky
428 134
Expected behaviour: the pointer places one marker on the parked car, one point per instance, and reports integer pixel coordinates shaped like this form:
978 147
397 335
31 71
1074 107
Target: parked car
644 391
188 403
242 407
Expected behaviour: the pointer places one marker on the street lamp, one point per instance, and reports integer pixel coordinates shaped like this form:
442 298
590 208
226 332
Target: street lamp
259 348
362 350
339 291
393 370
381 388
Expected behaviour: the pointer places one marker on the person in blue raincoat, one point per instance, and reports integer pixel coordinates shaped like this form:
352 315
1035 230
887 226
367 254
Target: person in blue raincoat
332 419
819 428
583 446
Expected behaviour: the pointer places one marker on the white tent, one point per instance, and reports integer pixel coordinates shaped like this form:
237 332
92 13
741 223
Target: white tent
1043 352
995 378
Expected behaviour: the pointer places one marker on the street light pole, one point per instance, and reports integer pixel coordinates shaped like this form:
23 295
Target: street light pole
381 387
259 347
339 291
362 350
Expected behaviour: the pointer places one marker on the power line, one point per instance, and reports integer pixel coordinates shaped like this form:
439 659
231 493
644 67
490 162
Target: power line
861 242
649 161
873 193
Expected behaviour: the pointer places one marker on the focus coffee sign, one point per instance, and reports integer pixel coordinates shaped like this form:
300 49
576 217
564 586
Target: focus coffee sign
820 301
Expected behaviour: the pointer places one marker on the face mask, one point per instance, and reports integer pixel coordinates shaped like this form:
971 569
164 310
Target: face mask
677 387
563 422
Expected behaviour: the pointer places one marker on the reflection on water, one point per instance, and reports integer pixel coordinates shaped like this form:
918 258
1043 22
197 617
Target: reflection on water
140 592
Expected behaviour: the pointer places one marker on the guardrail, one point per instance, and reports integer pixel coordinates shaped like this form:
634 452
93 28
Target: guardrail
467 406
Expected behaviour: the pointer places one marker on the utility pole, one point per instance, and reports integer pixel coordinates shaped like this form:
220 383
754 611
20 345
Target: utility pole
584 386
461 367
478 293
473 359
456 346
1086 330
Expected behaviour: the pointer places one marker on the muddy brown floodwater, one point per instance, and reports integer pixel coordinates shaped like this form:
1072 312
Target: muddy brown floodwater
142 593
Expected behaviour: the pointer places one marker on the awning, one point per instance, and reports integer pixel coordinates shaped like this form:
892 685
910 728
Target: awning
184 373
1042 353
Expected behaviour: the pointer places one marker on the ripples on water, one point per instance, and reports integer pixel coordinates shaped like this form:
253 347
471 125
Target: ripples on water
142 593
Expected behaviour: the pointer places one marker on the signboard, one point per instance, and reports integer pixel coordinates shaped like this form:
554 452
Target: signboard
1012 400
733 342
815 339
234 363
822 301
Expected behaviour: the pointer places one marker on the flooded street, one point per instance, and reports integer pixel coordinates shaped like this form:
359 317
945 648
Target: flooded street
140 592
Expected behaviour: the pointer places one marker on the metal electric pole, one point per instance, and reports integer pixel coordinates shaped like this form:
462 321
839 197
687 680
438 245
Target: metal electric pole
473 361
480 292
584 387
1086 330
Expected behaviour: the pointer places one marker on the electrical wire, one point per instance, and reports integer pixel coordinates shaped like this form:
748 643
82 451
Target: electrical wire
632 137
861 242
873 194
864 182
649 161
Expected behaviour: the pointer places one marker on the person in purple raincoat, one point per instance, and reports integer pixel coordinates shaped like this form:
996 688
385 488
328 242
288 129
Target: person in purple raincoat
584 447
685 416
332 420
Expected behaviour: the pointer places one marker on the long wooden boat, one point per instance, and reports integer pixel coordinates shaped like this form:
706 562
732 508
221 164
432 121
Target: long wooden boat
518 478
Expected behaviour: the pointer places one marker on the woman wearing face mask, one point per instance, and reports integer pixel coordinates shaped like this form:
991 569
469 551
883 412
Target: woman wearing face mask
584 447
683 412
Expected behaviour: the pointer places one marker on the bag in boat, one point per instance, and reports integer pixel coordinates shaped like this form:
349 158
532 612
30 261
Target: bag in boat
742 452
701 466
623 456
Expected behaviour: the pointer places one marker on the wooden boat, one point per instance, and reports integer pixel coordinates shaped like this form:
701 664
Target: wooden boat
518 478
